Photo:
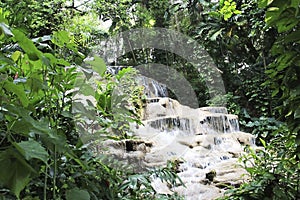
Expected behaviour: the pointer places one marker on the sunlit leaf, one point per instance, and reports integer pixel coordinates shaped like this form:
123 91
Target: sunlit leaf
77 194
60 38
16 55
263 142
98 65
18 90
27 45
32 149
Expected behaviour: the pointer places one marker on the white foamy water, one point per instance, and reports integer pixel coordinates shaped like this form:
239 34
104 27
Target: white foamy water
204 139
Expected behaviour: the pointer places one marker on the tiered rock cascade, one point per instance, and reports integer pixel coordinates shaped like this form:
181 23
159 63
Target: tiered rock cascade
205 141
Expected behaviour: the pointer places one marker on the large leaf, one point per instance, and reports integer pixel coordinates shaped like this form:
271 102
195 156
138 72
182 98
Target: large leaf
285 60
18 90
87 90
16 55
40 127
15 172
77 194
293 37
285 22
60 38
98 65
54 140
35 82
32 149
27 45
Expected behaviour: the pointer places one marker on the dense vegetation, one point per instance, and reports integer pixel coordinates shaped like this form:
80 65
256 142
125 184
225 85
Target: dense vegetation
254 43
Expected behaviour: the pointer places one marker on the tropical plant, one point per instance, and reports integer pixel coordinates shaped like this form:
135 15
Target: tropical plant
275 170
42 155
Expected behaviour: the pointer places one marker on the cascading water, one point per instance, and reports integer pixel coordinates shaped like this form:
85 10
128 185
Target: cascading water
205 140
152 88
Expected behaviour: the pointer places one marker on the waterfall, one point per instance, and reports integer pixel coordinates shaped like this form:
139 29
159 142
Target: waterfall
205 140
152 88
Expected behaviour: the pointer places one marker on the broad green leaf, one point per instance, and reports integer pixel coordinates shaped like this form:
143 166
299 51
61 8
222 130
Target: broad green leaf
53 139
60 38
6 61
286 23
35 82
51 59
98 65
285 60
63 62
21 126
18 90
277 49
16 55
32 149
77 194
292 37
262 3
87 90
27 45
272 16
15 172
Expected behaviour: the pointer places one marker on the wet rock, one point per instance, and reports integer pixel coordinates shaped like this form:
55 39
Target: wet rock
161 187
211 175
204 143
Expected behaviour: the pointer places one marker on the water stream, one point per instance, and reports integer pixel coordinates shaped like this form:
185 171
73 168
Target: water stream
204 141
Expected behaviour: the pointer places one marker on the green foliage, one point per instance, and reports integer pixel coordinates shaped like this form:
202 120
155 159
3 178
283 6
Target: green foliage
42 155
239 47
118 102
36 17
275 169
139 186
15 171
126 14
85 29
228 9
77 194
263 127
34 103
284 70
274 172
